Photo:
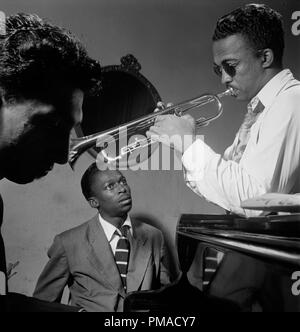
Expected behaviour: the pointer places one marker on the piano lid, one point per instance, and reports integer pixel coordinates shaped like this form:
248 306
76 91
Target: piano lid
270 237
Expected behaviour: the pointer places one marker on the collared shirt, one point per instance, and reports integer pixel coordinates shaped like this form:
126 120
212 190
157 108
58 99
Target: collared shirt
270 162
110 231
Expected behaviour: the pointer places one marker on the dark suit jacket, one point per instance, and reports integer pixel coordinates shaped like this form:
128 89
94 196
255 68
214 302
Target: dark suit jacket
82 259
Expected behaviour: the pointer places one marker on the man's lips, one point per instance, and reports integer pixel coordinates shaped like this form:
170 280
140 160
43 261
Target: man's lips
125 199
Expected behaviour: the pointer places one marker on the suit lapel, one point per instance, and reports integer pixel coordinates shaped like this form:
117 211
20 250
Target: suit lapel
101 256
140 252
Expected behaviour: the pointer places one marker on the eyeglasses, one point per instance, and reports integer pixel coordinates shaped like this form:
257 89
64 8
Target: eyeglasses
230 69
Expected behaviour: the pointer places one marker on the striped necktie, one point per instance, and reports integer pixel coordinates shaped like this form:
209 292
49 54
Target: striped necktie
212 259
122 254
254 109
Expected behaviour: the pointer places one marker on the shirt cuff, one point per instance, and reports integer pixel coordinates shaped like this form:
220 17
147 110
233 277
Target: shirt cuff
197 157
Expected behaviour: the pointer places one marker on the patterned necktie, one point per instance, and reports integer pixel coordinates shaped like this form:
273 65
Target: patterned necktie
212 259
254 109
122 254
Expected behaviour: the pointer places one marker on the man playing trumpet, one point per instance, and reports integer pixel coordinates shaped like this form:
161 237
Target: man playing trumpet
248 46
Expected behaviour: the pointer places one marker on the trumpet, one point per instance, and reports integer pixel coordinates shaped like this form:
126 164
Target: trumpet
139 126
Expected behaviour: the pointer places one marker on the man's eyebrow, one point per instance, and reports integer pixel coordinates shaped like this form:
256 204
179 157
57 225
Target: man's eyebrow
224 61
229 59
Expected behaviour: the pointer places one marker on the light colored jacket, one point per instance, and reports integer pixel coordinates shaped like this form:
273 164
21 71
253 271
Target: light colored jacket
82 259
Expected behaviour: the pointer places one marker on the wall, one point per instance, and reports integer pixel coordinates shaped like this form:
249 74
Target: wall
172 41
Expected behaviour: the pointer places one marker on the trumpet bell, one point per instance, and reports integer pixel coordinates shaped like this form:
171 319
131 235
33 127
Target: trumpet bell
125 95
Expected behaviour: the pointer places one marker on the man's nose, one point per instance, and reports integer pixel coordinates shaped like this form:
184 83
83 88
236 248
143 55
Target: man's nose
122 188
225 77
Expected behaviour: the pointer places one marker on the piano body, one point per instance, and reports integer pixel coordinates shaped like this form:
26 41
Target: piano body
262 257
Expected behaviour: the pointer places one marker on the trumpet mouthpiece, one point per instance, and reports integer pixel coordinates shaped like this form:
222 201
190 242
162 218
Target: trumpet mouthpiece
228 92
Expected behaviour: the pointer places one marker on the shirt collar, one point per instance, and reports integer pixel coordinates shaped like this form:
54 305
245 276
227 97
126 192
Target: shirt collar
267 94
110 229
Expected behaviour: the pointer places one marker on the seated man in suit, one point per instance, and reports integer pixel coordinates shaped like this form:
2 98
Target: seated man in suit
108 256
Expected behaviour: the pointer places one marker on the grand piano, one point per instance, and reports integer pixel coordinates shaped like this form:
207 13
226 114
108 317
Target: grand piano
260 270
263 253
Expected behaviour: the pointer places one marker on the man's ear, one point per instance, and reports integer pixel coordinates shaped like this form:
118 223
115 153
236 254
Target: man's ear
267 56
93 202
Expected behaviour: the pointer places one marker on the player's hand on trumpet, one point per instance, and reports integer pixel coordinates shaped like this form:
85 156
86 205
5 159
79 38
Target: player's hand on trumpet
177 132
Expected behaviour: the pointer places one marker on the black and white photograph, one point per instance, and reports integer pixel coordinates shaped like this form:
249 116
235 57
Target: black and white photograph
149 158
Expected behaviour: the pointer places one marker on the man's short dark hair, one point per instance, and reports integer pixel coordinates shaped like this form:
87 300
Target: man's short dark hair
36 57
260 24
87 180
